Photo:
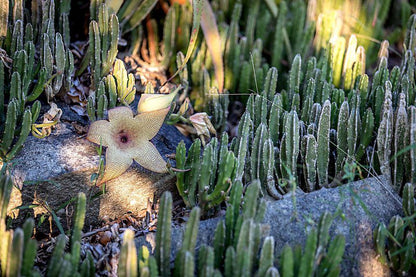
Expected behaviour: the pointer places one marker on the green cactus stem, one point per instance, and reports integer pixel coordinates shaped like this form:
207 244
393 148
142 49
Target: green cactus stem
163 234
127 265
323 143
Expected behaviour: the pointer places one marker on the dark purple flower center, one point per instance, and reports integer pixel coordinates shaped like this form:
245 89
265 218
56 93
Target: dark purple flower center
123 137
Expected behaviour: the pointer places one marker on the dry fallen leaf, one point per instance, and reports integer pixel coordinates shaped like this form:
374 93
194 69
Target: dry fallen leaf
127 138
50 118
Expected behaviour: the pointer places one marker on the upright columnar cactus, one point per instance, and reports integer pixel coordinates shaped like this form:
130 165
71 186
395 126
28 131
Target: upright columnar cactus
266 262
232 50
250 26
323 143
188 245
310 157
276 110
294 78
218 109
127 263
25 80
278 42
163 235
354 126
337 51
290 146
410 40
97 102
412 141
367 129
385 133
5 236
76 230
206 262
147 263
256 165
241 145
270 84
269 168
353 61
401 140
232 213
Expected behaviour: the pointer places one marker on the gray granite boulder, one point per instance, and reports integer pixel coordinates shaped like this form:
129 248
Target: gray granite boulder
360 207
53 170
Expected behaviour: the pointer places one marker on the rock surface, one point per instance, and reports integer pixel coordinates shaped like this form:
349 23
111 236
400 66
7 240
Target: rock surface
363 205
53 170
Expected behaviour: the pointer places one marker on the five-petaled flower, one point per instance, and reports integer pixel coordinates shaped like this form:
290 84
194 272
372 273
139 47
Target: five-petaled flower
127 138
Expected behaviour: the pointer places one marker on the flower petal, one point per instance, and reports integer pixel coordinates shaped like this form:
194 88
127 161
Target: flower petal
119 114
152 102
100 132
116 163
148 157
148 124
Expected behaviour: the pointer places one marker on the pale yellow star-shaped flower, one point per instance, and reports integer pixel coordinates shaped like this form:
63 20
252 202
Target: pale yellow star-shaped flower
127 138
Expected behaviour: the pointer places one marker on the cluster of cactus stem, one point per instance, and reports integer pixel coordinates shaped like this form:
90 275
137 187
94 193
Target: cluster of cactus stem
307 132
287 29
23 74
117 88
244 64
56 60
395 244
239 247
18 249
111 84
103 42
206 180
369 19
